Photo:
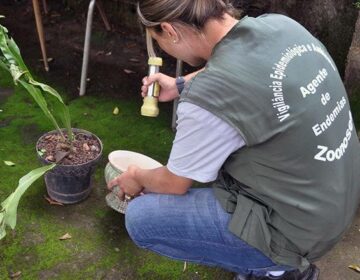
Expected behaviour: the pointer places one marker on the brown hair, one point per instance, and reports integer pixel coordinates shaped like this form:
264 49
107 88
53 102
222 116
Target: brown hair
190 12
194 13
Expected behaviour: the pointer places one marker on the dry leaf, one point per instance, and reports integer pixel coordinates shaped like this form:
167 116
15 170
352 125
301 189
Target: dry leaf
49 59
54 15
52 202
116 111
185 266
355 267
65 237
15 274
127 71
100 53
131 45
9 163
60 155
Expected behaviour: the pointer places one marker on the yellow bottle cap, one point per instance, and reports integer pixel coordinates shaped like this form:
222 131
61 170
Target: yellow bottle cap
150 107
157 61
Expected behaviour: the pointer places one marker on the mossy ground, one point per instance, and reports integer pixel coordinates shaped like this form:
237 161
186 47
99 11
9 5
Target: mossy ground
100 247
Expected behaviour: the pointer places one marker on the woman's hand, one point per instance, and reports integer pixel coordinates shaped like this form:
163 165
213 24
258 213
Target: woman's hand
168 88
127 183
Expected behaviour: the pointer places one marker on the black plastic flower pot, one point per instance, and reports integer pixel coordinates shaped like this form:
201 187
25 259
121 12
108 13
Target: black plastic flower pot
70 184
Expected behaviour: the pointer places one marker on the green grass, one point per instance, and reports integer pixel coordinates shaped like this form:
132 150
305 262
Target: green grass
100 246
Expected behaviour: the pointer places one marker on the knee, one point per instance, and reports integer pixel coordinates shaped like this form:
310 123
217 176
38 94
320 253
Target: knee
137 217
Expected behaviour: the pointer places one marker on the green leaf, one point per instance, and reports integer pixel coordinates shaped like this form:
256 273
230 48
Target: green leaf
40 100
16 73
9 206
11 60
64 110
3 65
9 163
4 46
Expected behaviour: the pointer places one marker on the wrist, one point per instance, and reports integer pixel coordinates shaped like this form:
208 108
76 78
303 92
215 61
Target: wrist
135 175
180 84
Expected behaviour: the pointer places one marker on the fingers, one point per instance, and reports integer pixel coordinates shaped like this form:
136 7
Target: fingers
153 78
147 81
144 90
112 184
121 194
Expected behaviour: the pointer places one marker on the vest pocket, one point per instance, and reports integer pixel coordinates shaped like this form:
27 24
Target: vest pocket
249 222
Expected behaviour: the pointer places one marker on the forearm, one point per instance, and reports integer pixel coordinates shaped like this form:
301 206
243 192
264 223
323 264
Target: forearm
161 180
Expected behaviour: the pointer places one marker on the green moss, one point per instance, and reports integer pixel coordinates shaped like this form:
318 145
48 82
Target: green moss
156 267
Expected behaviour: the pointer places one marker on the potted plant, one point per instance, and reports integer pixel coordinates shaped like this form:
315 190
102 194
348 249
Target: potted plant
70 154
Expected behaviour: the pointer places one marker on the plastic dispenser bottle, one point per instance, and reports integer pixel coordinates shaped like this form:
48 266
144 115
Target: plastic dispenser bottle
150 107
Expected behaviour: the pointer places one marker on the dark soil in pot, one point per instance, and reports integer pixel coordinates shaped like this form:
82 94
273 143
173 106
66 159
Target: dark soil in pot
70 181
84 148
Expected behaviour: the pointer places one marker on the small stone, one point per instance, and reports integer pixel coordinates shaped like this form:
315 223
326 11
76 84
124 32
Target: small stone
86 147
117 250
50 158
47 137
94 148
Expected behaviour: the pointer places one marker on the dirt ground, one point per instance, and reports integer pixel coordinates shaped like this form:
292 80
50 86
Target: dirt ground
117 64
118 58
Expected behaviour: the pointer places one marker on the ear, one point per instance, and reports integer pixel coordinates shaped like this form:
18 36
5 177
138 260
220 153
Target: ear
169 31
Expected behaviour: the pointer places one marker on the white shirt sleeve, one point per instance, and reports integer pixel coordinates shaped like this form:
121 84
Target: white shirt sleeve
202 143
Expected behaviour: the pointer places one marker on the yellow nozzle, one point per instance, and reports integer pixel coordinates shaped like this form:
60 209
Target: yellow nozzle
157 61
150 107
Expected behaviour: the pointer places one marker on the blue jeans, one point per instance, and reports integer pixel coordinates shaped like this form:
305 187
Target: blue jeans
193 227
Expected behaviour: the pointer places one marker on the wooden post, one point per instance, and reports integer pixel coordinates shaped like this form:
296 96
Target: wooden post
40 30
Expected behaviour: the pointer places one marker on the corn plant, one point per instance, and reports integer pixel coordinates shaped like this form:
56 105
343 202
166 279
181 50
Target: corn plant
11 61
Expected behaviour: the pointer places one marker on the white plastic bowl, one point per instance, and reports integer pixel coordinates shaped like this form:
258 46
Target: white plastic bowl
121 160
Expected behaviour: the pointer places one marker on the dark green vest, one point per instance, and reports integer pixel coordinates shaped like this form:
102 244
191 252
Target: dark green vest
294 189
